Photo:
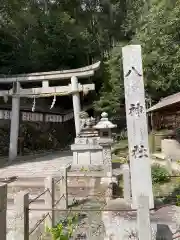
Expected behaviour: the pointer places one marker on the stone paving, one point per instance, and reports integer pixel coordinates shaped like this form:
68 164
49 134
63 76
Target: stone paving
50 165
120 224
39 166
33 168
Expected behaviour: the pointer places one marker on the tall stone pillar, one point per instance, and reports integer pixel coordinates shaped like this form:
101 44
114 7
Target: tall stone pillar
140 163
76 103
14 131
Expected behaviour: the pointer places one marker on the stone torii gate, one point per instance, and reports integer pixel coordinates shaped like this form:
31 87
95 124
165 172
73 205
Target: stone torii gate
45 91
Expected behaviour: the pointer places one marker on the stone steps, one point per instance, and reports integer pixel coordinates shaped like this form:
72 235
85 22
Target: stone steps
35 186
10 198
34 218
39 201
159 156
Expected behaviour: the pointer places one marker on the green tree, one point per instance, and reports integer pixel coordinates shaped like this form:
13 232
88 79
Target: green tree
158 33
112 91
49 35
159 37
42 36
134 13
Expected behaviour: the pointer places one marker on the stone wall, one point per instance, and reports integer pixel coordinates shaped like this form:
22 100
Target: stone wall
171 148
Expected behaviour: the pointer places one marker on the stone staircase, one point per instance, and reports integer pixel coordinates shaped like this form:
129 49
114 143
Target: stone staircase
35 186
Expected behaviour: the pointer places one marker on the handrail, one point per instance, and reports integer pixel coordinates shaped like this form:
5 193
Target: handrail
38 223
56 182
33 200
55 204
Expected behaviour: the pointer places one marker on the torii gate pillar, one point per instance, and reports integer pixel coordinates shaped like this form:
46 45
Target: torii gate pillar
14 130
76 103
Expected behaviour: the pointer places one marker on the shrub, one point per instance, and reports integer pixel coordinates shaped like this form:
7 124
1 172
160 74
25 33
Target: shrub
159 174
177 134
121 160
178 162
63 230
122 135
178 200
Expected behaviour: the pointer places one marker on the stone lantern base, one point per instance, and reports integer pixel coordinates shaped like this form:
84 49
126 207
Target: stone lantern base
91 150
87 152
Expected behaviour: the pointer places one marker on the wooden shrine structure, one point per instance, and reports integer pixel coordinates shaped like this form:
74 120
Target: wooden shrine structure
166 113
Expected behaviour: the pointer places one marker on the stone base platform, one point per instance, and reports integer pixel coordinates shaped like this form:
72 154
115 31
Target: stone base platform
85 168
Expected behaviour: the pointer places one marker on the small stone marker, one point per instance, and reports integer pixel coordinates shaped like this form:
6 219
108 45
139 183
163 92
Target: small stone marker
21 225
126 183
49 201
141 181
63 204
169 165
164 232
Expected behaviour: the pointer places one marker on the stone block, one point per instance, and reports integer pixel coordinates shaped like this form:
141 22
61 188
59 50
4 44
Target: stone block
164 232
171 148
49 200
63 203
20 228
126 183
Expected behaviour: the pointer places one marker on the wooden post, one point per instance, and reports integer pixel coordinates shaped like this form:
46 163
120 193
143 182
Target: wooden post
49 201
21 226
140 167
63 204
3 210
153 141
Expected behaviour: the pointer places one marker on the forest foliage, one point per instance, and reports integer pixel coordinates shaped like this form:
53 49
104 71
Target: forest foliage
43 35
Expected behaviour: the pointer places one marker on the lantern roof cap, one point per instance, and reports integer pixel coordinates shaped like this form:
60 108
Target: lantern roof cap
104 122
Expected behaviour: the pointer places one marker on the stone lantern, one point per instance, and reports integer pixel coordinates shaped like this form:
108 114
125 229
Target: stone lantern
104 126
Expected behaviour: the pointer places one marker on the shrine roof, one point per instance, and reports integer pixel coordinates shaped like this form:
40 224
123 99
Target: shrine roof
165 102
